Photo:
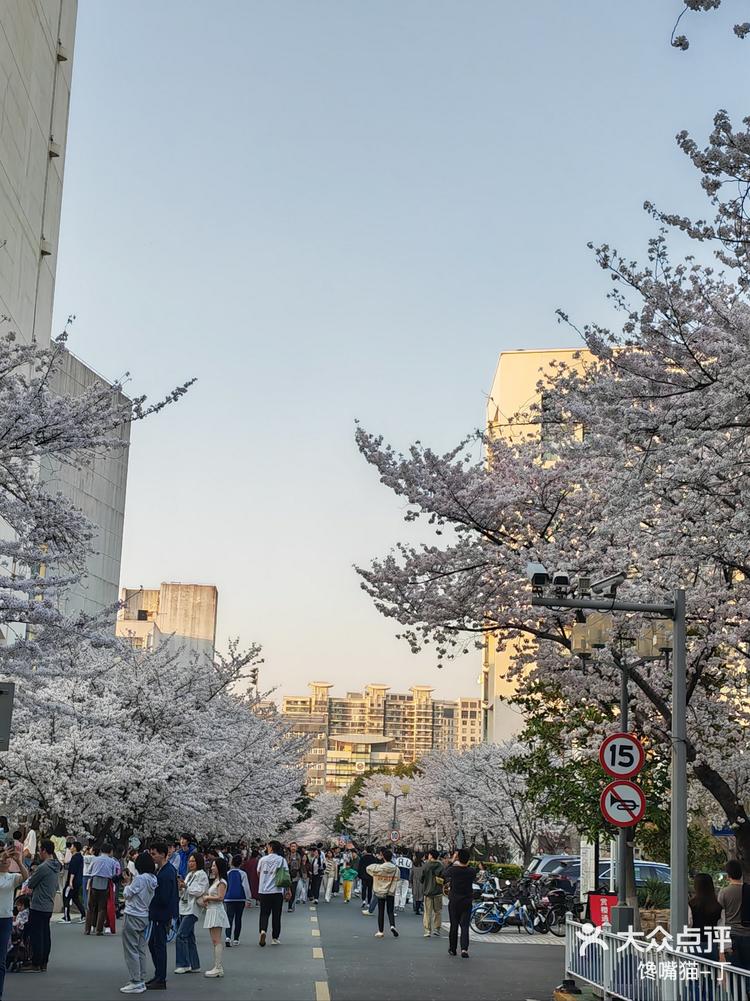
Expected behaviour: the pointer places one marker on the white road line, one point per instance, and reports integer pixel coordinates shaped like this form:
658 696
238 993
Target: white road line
321 991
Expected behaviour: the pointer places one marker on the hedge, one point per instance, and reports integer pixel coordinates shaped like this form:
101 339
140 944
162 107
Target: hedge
505 870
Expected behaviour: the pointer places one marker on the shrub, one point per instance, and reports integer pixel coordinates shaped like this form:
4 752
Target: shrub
505 870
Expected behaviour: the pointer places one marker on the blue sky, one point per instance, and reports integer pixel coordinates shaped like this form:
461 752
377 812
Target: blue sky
328 210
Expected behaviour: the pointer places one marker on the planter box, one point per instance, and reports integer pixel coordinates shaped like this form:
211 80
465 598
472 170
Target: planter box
653 917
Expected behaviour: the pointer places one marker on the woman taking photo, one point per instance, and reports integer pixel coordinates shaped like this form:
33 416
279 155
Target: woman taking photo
216 916
461 877
138 893
193 886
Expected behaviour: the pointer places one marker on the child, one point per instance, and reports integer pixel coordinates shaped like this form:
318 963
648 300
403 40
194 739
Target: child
348 875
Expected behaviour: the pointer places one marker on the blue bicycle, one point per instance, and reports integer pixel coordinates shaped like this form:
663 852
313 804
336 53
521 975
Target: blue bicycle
491 916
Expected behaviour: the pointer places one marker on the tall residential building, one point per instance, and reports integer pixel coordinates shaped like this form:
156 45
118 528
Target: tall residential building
183 615
515 388
376 728
36 62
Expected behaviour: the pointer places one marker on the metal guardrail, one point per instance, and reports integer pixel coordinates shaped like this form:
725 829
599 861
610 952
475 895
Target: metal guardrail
623 972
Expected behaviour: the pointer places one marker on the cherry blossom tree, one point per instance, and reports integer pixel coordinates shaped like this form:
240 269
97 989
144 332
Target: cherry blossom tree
636 461
478 794
322 824
44 539
119 741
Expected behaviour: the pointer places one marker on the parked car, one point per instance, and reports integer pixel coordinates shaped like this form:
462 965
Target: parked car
644 871
544 865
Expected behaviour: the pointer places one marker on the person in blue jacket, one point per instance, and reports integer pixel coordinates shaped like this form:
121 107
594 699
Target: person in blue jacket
183 853
164 908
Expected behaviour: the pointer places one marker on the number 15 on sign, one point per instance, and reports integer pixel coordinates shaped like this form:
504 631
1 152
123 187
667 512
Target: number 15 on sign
621 755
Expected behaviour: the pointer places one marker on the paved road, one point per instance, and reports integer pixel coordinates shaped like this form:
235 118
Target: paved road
326 953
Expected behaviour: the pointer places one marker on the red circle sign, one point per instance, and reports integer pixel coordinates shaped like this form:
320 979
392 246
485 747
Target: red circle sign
622 803
621 755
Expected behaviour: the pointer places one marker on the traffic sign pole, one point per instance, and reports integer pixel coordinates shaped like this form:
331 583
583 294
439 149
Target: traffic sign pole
622 915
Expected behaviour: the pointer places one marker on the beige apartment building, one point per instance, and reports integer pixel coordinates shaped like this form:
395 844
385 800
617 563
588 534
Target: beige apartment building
183 615
515 388
376 728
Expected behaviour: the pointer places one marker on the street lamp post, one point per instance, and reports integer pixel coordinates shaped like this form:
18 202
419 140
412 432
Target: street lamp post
405 787
675 610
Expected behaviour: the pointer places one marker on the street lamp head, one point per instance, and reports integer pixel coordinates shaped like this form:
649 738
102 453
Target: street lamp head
387 788
405 787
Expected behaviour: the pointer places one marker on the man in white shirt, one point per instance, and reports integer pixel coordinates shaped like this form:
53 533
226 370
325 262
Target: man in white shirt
103 870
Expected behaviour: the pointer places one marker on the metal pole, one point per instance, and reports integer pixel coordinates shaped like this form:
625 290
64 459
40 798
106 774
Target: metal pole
369 823
622 915
460 836
394 812
678 840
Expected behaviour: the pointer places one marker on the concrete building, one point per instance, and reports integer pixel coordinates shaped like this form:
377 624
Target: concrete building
183 615
376 728
37 39
36 60
99 492
515 388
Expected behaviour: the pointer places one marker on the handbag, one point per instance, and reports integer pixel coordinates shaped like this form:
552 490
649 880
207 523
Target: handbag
282 878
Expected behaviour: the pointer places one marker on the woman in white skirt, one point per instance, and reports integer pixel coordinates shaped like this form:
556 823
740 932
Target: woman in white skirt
216 916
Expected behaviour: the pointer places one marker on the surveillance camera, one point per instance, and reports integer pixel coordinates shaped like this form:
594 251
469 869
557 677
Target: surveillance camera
561 583
537 574
608 585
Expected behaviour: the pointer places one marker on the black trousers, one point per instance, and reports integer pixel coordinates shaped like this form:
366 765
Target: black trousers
271 905
315 887
366 890
459 912
39 936
234 909
157 946
383 903
74 898
293 897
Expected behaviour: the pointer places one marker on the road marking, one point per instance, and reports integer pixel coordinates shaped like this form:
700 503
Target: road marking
314 920
315 933
317 952
321 991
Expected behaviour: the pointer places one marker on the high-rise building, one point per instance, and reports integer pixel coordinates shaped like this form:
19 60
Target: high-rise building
98 490
36 62
376 728
515 388
183 615
37 38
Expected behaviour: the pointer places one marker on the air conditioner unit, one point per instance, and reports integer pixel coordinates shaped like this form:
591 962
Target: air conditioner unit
45 247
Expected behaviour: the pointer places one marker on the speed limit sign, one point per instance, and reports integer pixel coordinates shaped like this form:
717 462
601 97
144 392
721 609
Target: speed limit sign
621 755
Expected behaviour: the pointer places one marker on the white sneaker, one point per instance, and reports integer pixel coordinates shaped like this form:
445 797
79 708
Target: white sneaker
216 972
235 941
183 969
64 921
133 988
379 934
274 941
426 935
436 934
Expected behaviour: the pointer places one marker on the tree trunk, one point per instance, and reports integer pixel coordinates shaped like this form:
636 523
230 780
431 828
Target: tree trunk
733 808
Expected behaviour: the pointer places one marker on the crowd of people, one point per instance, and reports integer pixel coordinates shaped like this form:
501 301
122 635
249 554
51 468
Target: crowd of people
165 892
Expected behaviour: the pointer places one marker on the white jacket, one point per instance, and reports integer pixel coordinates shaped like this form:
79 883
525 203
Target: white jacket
196 884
